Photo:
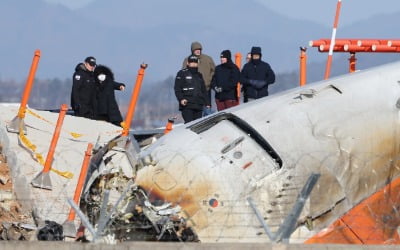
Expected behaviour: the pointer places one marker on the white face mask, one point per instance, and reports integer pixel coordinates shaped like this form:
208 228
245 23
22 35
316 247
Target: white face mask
101 77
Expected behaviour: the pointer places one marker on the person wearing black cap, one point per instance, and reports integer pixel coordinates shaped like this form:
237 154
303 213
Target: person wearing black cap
190 91
224 82
206 67
255 77
83 88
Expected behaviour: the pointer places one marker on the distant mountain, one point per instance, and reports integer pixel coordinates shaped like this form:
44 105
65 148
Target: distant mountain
124 33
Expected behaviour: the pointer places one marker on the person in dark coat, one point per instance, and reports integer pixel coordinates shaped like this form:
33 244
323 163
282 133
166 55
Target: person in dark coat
106 107
83 88
190 91
255 77
206 67
224 82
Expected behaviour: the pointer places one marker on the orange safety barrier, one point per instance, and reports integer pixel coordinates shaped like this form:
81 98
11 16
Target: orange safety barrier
357 45
393 43
327 41
81 180
325 48
54 140
370 42
303 66
355 48
132 105
374 221
352 62
17 123
169 125
43 179
384 48
238 62
69 226
29 84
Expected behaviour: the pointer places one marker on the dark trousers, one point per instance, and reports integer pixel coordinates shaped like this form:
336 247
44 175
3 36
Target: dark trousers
221 105
191 114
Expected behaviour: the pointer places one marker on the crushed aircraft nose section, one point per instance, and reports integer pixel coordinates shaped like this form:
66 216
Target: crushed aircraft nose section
234 176
123 210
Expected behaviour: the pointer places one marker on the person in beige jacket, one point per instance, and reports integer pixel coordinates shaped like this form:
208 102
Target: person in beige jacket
206 67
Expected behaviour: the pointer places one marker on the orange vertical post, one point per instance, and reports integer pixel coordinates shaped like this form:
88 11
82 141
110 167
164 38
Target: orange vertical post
303 66
238 62
43 179
69 227
17 122
169 127
132 105
352 62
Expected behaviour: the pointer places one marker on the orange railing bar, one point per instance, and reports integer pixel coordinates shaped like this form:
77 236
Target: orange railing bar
303 66
132 105
28 85
81 180
238 62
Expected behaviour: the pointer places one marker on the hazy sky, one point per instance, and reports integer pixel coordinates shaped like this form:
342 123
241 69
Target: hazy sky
322 11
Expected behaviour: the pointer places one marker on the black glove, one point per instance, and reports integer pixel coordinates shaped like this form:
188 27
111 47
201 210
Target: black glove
258 84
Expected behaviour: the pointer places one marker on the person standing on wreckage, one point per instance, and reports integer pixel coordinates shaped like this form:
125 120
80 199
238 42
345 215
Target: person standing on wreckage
105 105
190 91
83 88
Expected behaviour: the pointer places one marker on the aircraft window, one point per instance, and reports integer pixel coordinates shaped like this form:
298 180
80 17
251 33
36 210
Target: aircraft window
206 124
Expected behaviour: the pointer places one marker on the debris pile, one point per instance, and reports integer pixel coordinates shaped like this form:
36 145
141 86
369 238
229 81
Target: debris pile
14 222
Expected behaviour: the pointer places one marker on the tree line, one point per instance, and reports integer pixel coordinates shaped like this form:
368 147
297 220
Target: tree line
157 101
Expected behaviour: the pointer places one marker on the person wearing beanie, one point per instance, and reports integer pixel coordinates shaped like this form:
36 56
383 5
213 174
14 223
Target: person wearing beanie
255 77
190 90
83 88
224 82
206 67
105 105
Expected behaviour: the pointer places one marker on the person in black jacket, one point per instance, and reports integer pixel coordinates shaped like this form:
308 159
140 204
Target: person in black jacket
83 88
106 106
190 91
224 82
255 77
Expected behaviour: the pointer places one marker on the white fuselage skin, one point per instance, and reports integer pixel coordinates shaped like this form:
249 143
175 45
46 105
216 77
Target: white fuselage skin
346 129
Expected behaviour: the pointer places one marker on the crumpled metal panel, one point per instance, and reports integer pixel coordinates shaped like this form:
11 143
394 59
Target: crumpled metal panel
345 129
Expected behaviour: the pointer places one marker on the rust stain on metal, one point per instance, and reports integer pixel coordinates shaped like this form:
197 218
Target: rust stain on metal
247 165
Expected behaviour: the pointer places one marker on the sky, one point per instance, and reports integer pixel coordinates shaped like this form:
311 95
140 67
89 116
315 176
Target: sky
318 10
314 10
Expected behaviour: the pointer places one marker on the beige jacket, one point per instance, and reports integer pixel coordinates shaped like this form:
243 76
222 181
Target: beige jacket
206 65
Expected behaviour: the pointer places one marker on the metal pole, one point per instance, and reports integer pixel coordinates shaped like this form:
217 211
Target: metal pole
303 66
134 98
329 61
18 122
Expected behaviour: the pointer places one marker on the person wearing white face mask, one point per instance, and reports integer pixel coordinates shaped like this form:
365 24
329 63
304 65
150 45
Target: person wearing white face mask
105 105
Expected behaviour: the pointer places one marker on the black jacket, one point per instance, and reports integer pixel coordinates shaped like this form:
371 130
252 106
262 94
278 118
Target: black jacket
224 81
255 78
190 86
106 106
82 95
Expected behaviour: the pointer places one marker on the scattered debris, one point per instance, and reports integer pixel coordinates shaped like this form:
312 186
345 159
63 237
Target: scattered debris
12 219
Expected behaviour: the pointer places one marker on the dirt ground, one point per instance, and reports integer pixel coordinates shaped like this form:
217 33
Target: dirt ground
13 222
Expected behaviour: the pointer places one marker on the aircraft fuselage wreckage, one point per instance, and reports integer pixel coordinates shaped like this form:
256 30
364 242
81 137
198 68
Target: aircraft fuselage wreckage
281 168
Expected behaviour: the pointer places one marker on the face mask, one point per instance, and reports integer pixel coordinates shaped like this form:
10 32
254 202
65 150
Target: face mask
101 77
